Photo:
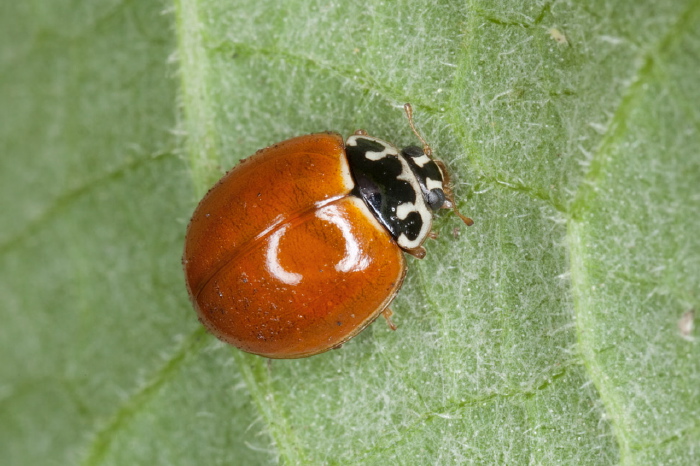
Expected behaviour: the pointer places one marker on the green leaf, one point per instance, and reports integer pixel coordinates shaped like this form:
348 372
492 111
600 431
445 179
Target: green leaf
555 330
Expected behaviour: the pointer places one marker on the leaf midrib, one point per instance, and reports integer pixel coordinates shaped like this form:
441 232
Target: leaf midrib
583 198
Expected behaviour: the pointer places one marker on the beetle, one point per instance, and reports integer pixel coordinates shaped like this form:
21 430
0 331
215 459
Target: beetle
301 246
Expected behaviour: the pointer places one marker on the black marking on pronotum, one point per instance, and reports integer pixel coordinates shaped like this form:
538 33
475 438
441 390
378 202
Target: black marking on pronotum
428 174
388 185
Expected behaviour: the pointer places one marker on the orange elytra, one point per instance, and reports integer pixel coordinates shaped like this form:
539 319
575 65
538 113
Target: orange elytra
300 247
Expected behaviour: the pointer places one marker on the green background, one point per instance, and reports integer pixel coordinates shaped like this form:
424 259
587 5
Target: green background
547 333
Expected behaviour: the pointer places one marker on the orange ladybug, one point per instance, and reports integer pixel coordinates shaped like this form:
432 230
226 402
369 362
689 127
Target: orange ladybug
300 247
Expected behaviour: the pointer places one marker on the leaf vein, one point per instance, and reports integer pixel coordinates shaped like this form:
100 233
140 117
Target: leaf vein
361 81
64 200
402 435
102 438
612 404
617 126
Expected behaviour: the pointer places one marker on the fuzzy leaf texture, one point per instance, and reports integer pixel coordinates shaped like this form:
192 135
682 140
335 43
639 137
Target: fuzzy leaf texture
556 330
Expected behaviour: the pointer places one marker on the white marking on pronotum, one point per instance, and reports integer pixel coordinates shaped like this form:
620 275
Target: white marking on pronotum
273 263
419 206
372 155
432 184
422 160
353 261
406 175
404 209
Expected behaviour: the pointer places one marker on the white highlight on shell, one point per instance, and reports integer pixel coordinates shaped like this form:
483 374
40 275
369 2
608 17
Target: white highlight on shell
272 262
433 184
353 260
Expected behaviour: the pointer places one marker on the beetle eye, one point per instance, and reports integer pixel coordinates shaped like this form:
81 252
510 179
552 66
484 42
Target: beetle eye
435 199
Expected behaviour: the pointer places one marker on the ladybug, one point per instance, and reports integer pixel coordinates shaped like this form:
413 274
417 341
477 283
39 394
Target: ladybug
301 246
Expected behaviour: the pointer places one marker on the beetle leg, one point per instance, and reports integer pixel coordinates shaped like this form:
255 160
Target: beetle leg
361 132
387 313
418 252
433 235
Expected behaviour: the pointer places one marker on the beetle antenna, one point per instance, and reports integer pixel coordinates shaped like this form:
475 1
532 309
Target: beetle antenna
409 114
450 201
